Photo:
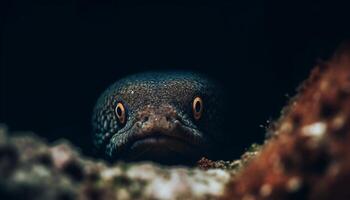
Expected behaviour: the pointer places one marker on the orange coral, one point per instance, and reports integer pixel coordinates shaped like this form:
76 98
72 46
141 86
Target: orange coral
308 156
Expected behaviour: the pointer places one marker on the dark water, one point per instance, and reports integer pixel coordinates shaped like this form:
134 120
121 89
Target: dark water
57 56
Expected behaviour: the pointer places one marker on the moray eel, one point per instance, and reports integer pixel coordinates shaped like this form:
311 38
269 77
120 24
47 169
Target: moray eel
166 117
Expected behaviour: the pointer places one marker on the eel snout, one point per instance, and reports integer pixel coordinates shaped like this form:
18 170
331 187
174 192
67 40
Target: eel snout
159 133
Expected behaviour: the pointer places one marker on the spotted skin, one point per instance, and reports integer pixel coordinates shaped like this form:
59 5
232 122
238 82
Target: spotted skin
159 104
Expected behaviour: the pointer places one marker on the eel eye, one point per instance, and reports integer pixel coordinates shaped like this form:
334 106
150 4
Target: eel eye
197 108
120 112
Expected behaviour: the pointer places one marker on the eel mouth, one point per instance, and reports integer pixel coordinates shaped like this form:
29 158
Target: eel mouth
161 138
162 148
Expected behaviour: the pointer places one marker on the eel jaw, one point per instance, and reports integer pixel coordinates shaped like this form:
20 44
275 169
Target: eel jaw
160 135
162 148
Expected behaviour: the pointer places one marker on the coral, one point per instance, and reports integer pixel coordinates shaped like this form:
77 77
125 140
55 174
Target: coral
308 155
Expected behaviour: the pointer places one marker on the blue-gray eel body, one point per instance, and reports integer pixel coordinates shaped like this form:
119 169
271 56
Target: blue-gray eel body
166 117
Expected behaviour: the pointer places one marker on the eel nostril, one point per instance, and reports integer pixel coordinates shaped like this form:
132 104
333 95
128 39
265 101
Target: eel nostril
145 119
168 118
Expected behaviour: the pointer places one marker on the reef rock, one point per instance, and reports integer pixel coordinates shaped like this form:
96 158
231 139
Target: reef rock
30 168
308 155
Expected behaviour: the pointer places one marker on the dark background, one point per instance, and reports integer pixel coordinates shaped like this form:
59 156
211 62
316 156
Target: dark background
57 56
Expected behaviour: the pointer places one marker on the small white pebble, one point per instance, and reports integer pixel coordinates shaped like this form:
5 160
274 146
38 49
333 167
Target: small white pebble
110 173
315 130
293 184
20 176
123 194
286 127
338 122
60 155
41 171
265 190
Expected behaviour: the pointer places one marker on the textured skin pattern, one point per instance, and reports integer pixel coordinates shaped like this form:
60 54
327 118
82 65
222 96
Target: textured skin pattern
168 94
